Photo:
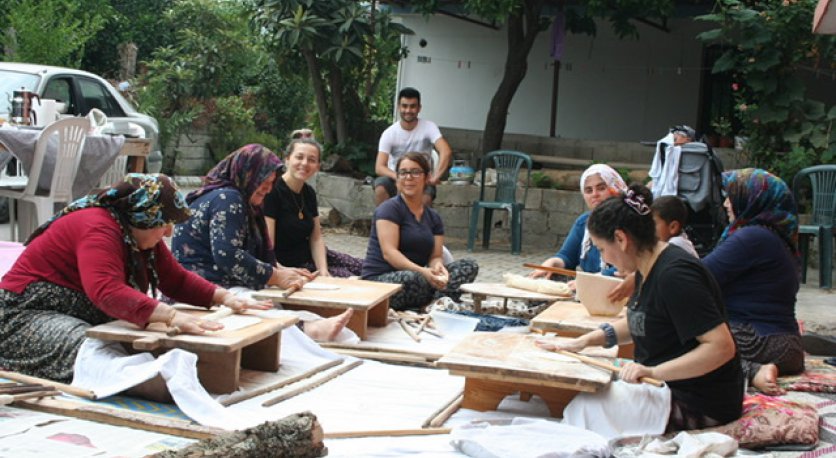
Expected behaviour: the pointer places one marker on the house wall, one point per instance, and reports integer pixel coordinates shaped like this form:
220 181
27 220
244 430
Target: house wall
610 89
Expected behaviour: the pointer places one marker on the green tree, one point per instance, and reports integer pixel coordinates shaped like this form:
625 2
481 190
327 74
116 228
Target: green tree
53 32
767 45
524 20
349 49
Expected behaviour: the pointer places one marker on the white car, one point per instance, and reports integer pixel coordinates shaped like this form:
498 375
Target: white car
80 92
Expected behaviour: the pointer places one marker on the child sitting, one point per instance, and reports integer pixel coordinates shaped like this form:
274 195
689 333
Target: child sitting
670 215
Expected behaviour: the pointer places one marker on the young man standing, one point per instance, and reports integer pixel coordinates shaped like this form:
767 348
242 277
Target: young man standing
410 134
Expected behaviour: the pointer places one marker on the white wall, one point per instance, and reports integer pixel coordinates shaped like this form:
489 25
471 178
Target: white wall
610 89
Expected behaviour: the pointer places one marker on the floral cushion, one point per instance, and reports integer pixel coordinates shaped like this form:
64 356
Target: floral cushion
770 420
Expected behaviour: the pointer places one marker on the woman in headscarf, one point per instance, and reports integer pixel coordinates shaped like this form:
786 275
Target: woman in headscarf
226 240
94 262
598 183
757 264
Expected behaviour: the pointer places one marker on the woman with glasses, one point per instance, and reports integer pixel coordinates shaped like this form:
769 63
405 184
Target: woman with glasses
292 215
598 183
406 240
677 321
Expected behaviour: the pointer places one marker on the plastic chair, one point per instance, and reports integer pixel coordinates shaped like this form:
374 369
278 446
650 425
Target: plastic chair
823 185
71 134
508 165
115 173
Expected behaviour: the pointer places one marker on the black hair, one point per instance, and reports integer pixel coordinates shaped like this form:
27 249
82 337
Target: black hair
630 212
670 209
421 158
409 93
302 141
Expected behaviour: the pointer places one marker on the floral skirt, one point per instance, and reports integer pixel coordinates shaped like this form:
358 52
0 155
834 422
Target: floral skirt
42 329
417 292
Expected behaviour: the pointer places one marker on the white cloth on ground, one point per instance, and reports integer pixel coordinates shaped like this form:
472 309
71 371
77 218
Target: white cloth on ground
695 445
621 409
665 175
526 437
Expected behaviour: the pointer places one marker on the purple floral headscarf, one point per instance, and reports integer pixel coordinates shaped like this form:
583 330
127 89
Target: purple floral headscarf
245 170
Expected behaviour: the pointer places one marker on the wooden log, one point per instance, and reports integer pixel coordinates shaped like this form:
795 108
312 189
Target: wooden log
243 396
441 415
297 435
387 433
64 388
319 381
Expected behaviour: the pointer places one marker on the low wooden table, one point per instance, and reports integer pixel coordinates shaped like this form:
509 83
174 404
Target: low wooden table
571 319
481 291
220 354
498 364
369 299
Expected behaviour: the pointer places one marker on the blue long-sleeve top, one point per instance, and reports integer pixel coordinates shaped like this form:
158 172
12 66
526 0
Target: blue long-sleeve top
570 252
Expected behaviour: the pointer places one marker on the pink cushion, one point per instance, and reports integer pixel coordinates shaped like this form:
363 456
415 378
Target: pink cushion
770 420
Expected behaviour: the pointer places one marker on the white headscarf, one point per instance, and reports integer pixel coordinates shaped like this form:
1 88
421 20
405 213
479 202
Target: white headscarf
615 185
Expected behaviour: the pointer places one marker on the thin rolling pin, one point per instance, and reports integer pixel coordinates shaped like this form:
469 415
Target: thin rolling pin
315 383
295 288
10 398
608 366
80 392
554 270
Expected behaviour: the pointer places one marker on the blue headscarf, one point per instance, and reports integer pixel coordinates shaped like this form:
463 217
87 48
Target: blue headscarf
759 198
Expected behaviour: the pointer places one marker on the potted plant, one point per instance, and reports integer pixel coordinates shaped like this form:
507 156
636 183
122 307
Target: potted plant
722 127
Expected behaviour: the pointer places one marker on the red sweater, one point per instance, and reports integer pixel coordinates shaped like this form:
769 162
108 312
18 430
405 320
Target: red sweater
84 251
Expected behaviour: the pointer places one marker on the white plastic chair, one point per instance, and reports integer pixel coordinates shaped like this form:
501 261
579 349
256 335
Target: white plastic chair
71 134
116 172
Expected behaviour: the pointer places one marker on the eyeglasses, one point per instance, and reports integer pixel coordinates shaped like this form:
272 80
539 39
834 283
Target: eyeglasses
414 173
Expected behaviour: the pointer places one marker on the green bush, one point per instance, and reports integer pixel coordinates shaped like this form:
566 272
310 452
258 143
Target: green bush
541 180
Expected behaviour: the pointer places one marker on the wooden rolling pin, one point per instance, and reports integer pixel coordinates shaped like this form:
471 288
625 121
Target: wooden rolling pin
608 366
75 391
295 288
6 399
554 270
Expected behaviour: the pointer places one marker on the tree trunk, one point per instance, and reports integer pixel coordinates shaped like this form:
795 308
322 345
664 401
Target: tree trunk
319 92
523 28
297 435
336 77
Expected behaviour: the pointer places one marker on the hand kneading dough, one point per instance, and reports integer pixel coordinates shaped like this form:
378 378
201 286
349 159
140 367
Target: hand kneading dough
540 285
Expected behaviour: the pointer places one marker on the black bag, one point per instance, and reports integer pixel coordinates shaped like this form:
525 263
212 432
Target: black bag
701 187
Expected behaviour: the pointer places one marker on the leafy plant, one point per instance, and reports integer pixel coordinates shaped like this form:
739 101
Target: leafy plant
768 45
541 180
722 126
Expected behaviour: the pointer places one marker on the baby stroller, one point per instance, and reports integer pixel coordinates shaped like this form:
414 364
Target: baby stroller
701 187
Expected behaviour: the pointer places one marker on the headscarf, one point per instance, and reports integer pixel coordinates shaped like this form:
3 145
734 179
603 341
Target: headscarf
245 170
615 186
759 198
141 201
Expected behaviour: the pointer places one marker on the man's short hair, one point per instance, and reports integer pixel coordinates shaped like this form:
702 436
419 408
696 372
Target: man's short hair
670 209
409 93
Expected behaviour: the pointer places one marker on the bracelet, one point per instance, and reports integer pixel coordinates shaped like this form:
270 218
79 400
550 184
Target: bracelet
610 339
170 318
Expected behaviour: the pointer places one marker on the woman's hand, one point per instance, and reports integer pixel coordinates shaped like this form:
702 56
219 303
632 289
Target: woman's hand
624 289
633 372
575 345
551 262
191 324
436 276
239 304
286 278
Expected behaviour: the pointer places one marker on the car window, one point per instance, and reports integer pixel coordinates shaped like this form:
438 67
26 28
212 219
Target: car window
94 95
60 89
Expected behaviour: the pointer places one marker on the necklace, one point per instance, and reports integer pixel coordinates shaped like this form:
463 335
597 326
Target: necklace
299 205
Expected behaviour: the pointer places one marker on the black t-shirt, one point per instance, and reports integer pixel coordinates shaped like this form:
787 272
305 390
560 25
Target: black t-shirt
678 302
293 235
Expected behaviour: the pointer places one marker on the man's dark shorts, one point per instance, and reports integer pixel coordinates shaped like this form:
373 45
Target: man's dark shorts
389 184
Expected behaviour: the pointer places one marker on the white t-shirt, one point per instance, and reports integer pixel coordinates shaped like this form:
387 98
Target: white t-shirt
396 141
683 242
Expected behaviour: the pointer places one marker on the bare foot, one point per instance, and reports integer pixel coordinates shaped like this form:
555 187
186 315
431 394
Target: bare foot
766 380
327 329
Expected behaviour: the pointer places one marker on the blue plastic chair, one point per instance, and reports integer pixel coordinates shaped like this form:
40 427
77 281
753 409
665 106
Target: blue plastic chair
507 165
823 226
